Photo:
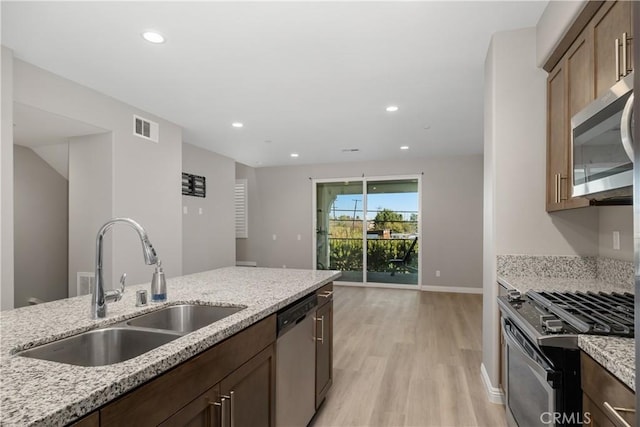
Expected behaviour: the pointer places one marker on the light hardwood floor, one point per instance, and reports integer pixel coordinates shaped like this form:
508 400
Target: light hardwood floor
407 358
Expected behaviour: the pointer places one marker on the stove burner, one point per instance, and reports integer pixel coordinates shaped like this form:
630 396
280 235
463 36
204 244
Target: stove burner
588 312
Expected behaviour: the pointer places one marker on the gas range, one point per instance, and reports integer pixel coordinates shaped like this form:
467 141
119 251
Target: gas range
555 319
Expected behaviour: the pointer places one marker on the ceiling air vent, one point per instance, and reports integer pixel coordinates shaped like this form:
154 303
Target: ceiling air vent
350 150
145 128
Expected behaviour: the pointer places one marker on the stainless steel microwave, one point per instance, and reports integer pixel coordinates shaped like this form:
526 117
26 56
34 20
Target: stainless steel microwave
601 144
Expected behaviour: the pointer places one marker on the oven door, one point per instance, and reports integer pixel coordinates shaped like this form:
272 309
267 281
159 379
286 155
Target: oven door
531 381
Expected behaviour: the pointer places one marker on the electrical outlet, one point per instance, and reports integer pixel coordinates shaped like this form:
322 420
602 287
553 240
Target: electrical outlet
437 273
274 237
299 237
616 240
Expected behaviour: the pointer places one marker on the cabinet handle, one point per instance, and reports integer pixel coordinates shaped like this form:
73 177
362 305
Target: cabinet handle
556 178
617 60
213 408
321 338
326 295
624 54
232 417
225 411
615 413
560 188
626 66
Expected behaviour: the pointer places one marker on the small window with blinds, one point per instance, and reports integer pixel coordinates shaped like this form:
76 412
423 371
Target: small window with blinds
242 212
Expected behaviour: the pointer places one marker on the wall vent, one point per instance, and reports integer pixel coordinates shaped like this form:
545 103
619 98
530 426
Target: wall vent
145 128
85 283
350 150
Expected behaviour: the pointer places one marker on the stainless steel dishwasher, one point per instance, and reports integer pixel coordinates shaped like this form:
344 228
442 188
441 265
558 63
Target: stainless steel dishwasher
296 363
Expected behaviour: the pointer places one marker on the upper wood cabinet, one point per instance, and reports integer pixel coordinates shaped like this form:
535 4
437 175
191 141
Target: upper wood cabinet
612 38
569 89
600 52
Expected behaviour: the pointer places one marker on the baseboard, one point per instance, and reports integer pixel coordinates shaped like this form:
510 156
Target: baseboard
453 289
494 394
376 285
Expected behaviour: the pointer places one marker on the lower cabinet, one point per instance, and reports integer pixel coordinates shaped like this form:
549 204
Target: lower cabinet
606 401
324 343
245 398
231 384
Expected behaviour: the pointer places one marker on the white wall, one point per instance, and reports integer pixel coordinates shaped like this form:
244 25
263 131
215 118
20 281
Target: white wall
515 160
6 182
90 204
280 203
615 218
146 178
553 25
208 238
40 233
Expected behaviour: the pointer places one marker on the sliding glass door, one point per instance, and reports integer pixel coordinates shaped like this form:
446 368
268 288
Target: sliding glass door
379 214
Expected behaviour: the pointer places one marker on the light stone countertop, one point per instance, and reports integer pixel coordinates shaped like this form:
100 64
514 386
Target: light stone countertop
524 284
616 354
39 392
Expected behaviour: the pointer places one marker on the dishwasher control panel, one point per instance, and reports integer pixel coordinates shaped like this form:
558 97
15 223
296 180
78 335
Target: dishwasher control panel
295 311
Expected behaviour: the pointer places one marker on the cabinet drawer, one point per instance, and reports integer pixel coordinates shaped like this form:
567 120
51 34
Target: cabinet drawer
600 386
325 294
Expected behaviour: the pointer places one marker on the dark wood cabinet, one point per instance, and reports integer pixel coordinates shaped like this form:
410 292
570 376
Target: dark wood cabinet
589 60
612 38
193 393
91 420
204 411
557 133
251 392
606 401
324 342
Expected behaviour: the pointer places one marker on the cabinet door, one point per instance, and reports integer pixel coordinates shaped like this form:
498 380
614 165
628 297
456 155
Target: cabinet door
251 391
91 420
204 411
324 351
580 92
557 133
613 19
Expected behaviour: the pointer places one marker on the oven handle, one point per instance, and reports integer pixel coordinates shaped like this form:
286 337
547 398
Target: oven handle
545 372
625 128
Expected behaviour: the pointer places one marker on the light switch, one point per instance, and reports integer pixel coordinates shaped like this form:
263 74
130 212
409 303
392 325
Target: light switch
185 210
299 237
437 273
199 211
274 237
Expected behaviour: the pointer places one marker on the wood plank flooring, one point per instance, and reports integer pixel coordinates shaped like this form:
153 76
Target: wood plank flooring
407 358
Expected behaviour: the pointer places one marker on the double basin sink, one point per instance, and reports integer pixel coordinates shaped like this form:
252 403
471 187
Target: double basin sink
132 337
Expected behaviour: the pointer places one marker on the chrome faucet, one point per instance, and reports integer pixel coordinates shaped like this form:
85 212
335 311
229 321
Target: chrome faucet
100 297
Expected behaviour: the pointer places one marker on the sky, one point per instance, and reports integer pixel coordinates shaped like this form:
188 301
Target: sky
394 201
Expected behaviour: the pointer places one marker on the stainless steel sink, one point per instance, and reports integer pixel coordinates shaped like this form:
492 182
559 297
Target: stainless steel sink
183 318
101 346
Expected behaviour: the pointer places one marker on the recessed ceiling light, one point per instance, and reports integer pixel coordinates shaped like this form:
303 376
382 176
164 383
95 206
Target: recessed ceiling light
404 147
153 37
237 124
295 155
392 108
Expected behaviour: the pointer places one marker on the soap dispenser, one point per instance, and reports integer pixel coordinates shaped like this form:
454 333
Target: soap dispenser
158 285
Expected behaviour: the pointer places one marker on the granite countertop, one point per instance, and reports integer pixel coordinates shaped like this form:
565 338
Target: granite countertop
39 392
615 354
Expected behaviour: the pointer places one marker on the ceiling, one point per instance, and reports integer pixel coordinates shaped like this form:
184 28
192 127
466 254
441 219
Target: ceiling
312 78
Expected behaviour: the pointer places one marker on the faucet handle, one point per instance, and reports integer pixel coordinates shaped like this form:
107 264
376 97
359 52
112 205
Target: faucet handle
116 294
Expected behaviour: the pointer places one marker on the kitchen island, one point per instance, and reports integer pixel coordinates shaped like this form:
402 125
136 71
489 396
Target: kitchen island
39 392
